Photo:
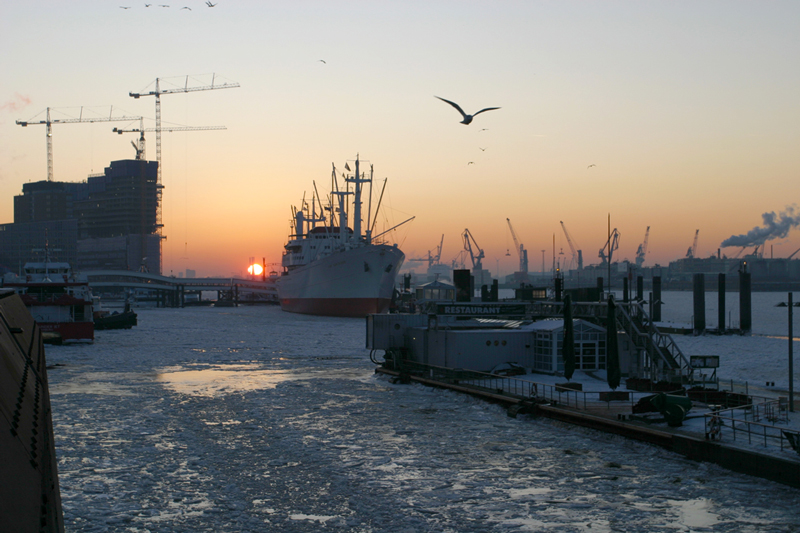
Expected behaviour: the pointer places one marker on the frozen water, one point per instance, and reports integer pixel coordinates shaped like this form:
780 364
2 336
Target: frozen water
251 419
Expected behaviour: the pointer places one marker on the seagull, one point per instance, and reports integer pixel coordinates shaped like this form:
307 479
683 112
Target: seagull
482 149
163 5
189 8
483 129
148 5
590 166
324 61
209 4
124 7
471 163
467 118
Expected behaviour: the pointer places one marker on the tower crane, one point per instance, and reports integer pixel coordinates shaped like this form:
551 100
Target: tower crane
576 254
692 252
157 92
522 274
48 122
139 147
642 250
185 89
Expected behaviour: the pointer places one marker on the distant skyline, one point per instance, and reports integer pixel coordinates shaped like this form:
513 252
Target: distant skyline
674 115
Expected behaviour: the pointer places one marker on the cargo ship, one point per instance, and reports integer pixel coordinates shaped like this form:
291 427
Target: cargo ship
331 268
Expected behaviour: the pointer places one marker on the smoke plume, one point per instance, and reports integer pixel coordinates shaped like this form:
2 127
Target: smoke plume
775 227
18 102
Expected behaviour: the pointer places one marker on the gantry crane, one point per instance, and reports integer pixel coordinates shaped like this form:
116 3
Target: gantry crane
522 274
692 252
642 250
576 254
49 129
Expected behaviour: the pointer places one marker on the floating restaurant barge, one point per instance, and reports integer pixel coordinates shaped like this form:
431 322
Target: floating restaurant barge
463 346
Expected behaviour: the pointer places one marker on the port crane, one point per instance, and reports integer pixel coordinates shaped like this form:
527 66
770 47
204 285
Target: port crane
477 260
692 252
432 259
642 250
49 121
577 257
522 274
612 244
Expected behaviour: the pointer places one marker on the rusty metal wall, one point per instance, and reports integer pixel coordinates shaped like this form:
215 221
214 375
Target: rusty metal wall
30 500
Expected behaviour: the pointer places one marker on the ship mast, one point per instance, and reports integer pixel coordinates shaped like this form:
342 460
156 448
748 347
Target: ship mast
358 180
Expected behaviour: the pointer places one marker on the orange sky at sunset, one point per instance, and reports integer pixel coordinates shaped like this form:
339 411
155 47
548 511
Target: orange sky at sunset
688 110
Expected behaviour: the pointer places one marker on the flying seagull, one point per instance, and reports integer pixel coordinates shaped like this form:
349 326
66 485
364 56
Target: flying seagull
590 166
483 129
482 149
471 163
209 4
124 7
189 8
323 61
467 118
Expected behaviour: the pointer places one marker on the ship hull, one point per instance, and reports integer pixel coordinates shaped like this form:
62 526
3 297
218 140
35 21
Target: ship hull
352 283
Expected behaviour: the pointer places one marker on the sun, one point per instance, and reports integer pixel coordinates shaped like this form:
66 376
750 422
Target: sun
255 269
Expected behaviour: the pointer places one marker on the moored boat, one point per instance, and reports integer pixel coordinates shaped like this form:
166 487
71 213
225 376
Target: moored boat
58 299
333 269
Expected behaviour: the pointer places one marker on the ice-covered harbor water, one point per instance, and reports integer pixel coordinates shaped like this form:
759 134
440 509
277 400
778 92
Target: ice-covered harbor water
251 419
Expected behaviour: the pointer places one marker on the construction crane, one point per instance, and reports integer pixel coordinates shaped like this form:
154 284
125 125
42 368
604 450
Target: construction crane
612 244
48 122
642 250
577 257
692 252
185 89
477 260
140 149
522 274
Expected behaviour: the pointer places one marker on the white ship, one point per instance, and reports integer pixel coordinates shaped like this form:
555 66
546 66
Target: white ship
332 269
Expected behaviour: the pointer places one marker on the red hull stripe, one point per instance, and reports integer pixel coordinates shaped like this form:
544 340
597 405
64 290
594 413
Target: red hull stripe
348 307
70 331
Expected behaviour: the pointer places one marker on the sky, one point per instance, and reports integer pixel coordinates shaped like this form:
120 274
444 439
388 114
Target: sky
689 112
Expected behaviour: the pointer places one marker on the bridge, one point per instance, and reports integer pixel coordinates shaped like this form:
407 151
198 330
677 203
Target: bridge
169 291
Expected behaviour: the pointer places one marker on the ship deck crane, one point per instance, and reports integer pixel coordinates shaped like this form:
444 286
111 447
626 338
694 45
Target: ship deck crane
523 253
576 255
642 250
49 121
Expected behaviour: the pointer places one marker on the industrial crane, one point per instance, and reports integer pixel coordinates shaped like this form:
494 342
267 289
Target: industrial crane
522 274
692 252
185 89
49 129
576 254
140 150
431 259
612 244
642 250
469 240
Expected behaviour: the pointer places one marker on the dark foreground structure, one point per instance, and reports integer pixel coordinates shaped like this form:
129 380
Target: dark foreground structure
30 500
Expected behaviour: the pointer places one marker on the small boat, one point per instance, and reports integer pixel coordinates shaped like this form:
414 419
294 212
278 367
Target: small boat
59 300
116 320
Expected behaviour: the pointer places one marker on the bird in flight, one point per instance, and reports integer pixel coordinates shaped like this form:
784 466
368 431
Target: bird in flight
148 5
209 4
482 149
467 118
163 5
189 8
483 129
471 163
590 166
124 7
322 60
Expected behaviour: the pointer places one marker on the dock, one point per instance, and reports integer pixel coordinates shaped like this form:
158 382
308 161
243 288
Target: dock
776 461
